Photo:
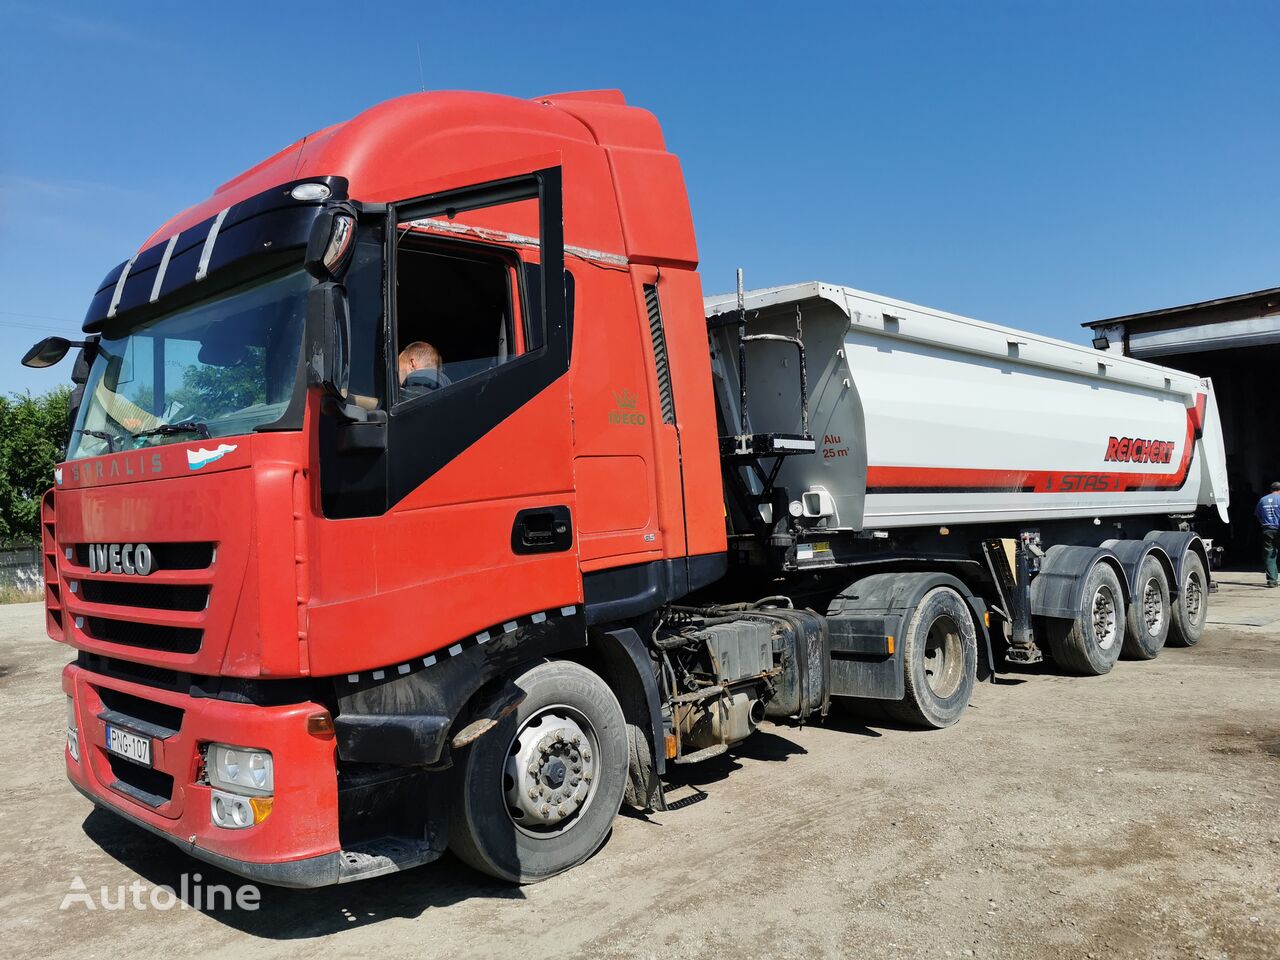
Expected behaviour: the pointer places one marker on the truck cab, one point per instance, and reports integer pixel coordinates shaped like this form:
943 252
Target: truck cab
262 539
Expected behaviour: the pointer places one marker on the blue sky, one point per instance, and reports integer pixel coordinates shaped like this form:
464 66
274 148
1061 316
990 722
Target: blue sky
1035 164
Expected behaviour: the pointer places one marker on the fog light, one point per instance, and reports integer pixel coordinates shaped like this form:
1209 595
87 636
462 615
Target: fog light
244 770
73 735
235 813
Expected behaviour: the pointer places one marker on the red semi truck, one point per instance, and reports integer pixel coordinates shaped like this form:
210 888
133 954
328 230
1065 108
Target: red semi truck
332 617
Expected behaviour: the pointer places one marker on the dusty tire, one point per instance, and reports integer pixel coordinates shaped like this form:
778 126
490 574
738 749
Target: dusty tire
1192 607
1150 614
939 661
1090 643
495 826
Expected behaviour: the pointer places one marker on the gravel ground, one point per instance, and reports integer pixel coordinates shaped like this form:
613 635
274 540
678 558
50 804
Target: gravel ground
1132 815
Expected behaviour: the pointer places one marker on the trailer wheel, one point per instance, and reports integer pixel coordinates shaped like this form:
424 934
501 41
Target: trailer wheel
939 661
1150 613
1192 609
538 794
1090 643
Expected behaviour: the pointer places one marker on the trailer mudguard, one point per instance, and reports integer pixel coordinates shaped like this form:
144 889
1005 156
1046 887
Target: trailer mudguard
1056 590
863 615
1133 553
1177 544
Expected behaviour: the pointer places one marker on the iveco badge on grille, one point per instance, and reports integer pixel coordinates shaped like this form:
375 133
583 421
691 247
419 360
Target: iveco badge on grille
133 559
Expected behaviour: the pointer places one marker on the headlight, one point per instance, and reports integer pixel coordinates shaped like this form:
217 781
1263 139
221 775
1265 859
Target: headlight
243 770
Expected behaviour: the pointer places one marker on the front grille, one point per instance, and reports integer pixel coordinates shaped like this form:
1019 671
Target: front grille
149 636
152 787
159 596
149 712
166 556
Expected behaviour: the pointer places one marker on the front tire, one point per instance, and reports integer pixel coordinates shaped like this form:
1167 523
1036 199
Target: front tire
1150 613
1090 643
1192 609
537 794
939 661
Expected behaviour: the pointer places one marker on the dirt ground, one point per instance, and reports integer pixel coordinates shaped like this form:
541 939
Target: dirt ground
1132 815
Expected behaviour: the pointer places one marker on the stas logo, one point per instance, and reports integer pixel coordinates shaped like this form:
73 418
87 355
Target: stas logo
1138 450
625 411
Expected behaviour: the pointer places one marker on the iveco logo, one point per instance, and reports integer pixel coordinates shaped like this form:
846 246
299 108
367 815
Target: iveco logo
130 558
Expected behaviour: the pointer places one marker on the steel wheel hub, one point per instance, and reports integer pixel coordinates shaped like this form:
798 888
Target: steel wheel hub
550 772
1194 596
1152 607
1104 617
943 657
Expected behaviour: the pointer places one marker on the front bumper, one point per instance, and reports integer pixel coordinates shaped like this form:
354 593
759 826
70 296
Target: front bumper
296 845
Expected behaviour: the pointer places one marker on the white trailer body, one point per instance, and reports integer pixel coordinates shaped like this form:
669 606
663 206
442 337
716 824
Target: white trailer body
925 418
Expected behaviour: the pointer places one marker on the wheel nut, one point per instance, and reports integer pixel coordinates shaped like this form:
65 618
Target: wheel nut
563 811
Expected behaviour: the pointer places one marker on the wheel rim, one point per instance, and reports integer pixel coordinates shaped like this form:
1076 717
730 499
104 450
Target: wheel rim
943 657
550 776
1104 617
1193 596
1152 607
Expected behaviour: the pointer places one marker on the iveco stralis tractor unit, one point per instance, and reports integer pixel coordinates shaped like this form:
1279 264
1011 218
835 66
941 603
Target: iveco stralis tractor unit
329 623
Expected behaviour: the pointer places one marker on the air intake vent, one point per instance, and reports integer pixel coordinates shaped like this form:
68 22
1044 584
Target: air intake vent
660 353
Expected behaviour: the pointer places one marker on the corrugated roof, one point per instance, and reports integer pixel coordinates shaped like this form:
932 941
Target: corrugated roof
1268 297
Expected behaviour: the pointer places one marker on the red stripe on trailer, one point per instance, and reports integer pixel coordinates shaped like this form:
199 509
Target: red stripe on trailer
887 479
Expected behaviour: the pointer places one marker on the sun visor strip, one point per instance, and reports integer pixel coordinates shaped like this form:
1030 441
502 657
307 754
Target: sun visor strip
269 224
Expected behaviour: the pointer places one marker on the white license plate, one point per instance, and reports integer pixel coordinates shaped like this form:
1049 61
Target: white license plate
129 745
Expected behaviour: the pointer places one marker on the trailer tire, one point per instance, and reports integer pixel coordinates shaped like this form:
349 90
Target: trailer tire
1150 613
1192 609
495 826
1089 644
939 661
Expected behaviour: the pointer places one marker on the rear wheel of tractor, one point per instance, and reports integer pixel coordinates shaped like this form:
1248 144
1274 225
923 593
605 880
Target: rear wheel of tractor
1192 609
939 661
1150 613
1090 644
537 794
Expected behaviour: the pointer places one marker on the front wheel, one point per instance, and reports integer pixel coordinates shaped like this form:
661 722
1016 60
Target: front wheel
537 794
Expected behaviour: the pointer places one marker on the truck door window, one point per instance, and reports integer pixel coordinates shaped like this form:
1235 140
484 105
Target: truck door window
457 298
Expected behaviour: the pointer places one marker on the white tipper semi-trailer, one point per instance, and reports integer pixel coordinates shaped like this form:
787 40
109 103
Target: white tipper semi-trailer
934 483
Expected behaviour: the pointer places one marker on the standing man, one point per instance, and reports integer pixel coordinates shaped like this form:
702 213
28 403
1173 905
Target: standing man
1268 514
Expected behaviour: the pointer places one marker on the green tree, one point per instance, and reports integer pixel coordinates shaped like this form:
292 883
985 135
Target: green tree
33 440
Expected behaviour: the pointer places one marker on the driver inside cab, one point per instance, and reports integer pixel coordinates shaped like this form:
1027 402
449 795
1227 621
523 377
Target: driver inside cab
420 369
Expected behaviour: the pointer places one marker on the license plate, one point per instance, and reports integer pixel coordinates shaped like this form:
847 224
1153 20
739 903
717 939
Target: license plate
129 745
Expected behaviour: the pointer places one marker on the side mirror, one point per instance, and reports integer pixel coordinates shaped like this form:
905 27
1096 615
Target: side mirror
329 352
48 352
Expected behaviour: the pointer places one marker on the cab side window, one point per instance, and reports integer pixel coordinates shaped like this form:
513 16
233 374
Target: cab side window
457 313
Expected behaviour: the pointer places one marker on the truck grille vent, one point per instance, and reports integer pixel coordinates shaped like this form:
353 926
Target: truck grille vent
135 672
148 635
665 396
142 783
166 556
159 596
148 711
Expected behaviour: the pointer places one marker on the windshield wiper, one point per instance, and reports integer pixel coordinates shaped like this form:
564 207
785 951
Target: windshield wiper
182 426
102 435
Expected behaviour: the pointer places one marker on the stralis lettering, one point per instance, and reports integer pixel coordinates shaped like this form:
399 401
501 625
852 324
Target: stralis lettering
116 468
1137 450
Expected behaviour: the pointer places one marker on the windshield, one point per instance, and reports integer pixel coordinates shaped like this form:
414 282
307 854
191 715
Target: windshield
214 369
